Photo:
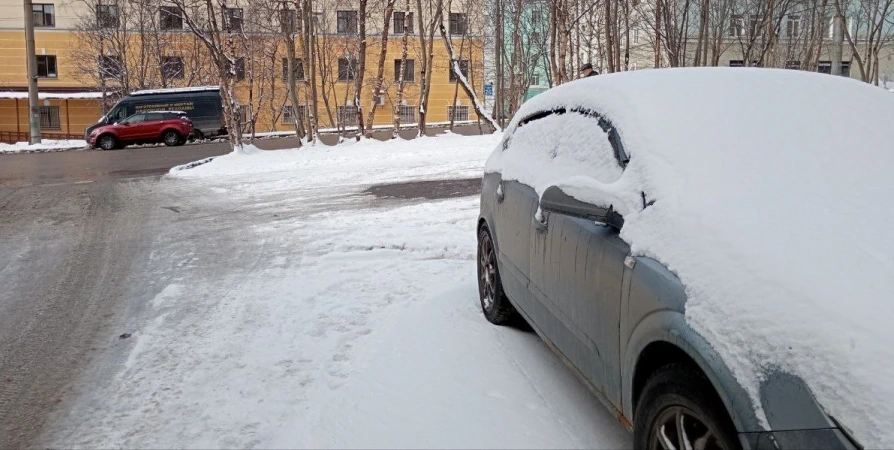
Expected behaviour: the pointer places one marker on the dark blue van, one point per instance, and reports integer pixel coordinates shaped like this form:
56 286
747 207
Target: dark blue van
201 104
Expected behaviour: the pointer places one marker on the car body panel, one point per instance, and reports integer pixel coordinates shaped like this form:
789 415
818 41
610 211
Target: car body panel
600 308
149 129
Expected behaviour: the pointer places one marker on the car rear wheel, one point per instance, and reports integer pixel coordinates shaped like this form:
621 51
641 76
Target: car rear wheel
108 142
494 303
171 138
679 410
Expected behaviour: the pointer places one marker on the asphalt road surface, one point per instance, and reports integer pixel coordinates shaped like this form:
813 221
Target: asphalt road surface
28 169
80 235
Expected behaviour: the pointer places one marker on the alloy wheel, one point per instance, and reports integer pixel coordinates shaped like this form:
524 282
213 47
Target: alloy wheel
679 428
171 138
107 143
487 272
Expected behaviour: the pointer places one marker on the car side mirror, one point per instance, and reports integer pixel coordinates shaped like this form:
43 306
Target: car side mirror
555 200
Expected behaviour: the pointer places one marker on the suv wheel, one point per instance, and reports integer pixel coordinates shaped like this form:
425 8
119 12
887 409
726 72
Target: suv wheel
107 142
171 138
678 409
494 303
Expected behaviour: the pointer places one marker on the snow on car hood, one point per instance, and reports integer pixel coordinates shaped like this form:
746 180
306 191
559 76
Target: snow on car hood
773 204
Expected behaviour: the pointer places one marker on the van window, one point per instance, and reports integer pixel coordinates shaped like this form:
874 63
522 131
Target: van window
117 114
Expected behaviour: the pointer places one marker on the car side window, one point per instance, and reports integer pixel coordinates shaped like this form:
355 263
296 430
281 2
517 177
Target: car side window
153 117
136 118
563 144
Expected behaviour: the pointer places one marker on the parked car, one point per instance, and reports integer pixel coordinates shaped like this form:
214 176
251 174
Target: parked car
168 127
201 104
708 249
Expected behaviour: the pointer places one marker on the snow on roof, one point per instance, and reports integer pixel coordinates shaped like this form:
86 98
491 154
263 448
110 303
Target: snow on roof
52 95
176 90
162 112
772 193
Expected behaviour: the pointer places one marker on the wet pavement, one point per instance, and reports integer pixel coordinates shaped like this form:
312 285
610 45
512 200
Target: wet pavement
427 189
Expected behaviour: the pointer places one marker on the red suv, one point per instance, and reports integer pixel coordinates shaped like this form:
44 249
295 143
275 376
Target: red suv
170 127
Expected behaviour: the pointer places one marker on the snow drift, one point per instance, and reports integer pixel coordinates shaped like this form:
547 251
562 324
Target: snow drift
772 204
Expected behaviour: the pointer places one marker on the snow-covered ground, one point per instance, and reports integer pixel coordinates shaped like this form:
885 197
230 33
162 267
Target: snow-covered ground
45 145
281 307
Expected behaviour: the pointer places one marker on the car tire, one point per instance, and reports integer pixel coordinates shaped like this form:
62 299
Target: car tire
171 138
677 395
107 142
494 304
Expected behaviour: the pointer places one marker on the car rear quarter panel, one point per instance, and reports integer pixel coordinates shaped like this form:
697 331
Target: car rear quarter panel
654 311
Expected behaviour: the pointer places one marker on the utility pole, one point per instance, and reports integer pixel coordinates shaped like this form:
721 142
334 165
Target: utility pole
837 44
33 102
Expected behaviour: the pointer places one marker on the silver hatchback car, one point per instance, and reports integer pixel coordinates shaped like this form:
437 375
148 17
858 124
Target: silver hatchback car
617 318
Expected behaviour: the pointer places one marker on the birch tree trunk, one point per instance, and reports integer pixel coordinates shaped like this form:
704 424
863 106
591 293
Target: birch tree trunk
377 89
361 68
404 46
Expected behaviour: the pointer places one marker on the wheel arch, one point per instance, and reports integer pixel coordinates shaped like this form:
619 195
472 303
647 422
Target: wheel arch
662 338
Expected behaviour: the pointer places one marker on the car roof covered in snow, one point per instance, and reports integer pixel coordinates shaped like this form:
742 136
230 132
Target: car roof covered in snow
773 205
179 90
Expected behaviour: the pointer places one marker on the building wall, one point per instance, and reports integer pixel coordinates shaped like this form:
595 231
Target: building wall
267 95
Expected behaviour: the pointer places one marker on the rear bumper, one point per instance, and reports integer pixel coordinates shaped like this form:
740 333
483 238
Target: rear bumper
822 439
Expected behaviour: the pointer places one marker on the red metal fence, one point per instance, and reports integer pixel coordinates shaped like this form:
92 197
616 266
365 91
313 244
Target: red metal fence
11 137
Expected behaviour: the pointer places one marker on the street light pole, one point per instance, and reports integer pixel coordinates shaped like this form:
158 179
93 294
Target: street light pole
33 102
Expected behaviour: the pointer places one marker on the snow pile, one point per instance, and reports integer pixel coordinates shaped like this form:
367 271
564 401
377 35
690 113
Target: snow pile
52 95
445 156
45 145
772 212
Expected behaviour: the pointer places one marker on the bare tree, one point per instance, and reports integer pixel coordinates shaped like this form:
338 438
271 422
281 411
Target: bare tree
380 75
426 43
401 76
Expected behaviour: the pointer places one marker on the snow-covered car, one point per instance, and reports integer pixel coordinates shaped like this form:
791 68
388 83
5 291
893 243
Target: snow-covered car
710 250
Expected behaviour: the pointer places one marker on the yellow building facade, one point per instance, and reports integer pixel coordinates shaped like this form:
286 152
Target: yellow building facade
72 51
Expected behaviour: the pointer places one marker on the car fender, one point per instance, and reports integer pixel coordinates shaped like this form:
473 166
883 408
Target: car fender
489 183
670 327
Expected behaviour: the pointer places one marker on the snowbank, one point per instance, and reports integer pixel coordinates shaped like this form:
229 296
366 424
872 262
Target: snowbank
445 156
52 95
772 211
45 145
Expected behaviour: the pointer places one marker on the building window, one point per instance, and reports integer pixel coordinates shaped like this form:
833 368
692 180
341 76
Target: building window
536 17
318 21
409 70
458 24
288 114
737 26
535 79
347 22
172 67
107 16
403 21
288 21
457 113
299 69
233 19
463 68
110 66
239 69
793 26
407 113
347 69
49 118
170 18
46 66
44 15
636 35
794 65
826 67
347 115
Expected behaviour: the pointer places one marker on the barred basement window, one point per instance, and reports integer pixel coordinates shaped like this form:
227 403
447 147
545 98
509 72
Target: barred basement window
457 113
288 115
49 118
408 113
347 115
